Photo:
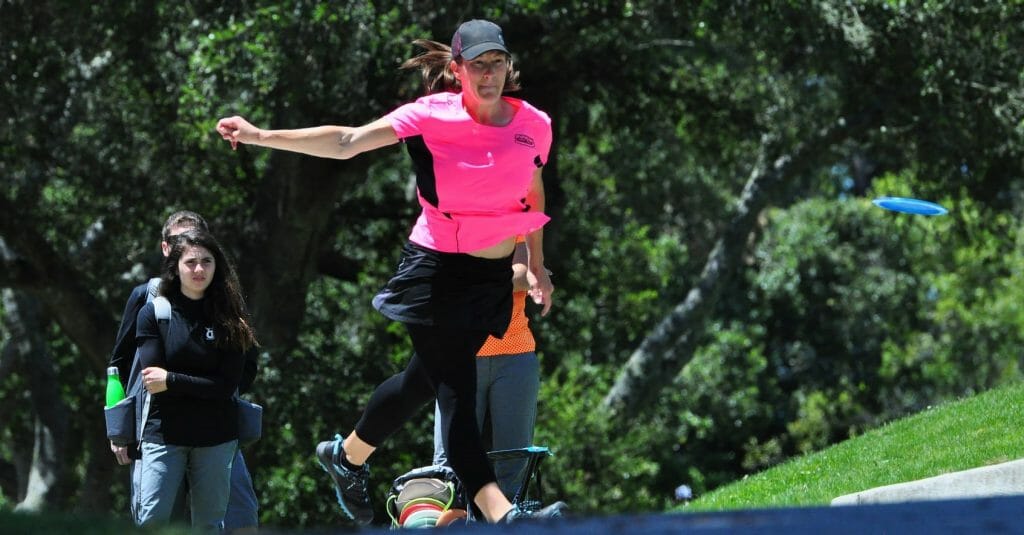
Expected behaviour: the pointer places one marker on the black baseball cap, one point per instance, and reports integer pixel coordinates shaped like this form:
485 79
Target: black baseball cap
474 37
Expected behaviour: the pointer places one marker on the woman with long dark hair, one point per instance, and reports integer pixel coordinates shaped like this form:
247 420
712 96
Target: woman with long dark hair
478 157
191 371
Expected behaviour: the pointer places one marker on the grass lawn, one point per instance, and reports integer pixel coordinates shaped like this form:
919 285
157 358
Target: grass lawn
982 430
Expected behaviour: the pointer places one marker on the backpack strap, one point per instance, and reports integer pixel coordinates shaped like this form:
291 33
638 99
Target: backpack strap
162 309
152 288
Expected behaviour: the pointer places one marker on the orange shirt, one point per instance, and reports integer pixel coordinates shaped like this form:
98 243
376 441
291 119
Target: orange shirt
518 338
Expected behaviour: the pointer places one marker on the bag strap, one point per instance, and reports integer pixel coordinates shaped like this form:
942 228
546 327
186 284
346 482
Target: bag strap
152 289
162 309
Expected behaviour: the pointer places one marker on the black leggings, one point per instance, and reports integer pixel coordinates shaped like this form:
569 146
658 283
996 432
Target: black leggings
443 366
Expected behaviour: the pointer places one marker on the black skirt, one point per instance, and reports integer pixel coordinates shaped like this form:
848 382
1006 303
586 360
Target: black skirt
449 290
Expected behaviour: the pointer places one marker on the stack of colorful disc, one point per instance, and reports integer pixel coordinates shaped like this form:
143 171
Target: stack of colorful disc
450 516
421 513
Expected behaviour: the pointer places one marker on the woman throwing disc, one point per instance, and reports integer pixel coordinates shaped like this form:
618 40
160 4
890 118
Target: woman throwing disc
478 157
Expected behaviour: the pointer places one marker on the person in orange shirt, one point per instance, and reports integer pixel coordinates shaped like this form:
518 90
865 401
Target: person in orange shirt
507 383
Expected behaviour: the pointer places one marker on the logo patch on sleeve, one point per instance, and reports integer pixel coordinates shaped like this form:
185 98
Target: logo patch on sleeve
524 140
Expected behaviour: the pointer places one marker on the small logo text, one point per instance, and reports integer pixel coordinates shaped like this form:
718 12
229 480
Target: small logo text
524 140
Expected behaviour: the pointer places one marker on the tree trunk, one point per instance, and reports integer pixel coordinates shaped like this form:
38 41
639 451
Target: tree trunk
102 473
670 345
46 279
32 358
51 277
291 227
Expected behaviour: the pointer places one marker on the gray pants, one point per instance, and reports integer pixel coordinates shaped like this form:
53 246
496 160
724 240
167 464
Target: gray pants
506 387
243 507
163 470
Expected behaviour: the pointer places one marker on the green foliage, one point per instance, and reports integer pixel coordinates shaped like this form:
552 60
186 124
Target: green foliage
600 469
85 524
721 397
826 342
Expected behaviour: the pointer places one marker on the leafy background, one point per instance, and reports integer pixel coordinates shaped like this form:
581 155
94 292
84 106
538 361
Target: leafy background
755 131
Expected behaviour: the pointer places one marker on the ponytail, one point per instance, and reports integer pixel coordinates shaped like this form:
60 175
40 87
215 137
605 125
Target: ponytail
435 67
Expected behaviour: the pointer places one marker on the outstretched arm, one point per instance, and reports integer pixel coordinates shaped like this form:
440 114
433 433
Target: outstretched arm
340 142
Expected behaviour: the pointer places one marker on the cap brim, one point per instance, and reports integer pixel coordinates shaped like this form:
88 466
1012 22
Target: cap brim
477 49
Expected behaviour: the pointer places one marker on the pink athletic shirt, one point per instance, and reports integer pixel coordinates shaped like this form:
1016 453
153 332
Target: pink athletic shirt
472 179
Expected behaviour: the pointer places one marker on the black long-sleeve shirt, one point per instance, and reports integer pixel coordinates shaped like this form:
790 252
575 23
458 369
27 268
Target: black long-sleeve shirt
125 343
197 408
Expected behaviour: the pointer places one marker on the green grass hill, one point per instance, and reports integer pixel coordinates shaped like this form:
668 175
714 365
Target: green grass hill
969 433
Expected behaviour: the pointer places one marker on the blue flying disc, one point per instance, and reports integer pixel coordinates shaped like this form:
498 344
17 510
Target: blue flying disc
910 206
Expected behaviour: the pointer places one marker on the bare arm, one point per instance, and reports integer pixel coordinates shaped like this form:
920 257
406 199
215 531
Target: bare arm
340 142
520 282
540 283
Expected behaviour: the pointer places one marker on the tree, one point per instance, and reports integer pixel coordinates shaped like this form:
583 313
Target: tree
89 146
868 57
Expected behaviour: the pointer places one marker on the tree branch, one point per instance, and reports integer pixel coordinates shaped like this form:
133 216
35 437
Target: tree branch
670 345
50 277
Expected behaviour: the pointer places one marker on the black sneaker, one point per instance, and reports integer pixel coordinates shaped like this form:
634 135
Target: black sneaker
517 513
350 486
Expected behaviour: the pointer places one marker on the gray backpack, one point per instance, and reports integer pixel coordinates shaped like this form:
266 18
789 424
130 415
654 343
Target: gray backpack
126 420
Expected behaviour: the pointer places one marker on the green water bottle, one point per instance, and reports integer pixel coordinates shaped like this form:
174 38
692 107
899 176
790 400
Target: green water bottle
115 392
